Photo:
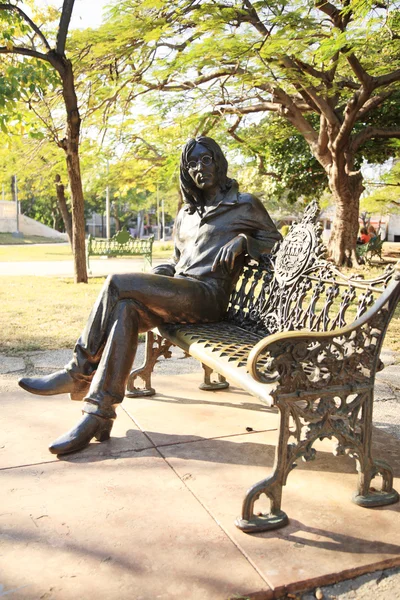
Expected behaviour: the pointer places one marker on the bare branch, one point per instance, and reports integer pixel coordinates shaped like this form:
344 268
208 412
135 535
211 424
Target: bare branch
319 102
340 21
179 47
358 69
254 19
25 52
245 110
169 86
259 157
381 183
371 104
348 83
332 12
353 106
373 132
153 149
386 79
52 132
332 71
310 70
25 17
65 19
323 135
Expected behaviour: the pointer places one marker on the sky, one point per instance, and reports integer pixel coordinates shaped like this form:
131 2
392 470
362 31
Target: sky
86 13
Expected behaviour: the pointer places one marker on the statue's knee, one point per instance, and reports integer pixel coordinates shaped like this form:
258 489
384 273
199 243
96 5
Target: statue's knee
113 283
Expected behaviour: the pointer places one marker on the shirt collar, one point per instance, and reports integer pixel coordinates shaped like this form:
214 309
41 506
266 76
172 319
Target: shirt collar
230 198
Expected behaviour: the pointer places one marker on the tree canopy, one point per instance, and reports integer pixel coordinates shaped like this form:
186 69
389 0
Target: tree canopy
306 90
330 69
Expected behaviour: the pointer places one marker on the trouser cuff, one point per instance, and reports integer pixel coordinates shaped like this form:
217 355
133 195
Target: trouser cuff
100 408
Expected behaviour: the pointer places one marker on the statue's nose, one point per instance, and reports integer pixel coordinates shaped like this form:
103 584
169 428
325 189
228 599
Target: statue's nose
199 164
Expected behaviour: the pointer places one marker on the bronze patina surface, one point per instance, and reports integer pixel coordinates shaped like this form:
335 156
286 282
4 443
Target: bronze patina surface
217 227
300 336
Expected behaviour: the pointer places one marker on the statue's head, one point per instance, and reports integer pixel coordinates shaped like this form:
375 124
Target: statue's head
203 165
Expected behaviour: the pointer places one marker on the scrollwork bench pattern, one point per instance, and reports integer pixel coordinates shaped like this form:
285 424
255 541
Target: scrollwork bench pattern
304 338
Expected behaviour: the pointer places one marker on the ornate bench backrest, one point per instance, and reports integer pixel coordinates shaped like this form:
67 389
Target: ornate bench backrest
296 288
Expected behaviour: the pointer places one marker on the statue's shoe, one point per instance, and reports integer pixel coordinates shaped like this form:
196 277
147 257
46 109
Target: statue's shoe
60 382
90 426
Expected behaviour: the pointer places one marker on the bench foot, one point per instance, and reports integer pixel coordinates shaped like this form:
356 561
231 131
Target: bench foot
211 386
366 494
216 385
139 392
265 522
156 346
376 498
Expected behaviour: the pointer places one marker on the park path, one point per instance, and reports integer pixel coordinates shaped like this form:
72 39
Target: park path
65 268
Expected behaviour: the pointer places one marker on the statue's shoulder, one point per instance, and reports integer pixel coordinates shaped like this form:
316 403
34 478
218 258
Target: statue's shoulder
254 201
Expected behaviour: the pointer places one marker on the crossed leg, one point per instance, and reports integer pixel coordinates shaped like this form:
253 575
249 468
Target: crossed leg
104 353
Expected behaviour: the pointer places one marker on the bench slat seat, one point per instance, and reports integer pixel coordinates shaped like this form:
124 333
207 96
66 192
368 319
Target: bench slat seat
225 348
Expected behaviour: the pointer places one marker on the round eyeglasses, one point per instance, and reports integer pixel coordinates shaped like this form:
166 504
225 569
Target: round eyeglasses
205 160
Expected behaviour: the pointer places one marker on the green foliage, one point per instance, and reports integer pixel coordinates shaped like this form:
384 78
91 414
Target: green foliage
195 63
160 71
385 199
35 165
285 230
286 156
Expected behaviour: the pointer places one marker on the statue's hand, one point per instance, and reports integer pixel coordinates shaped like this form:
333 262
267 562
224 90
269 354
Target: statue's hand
228 253
167 269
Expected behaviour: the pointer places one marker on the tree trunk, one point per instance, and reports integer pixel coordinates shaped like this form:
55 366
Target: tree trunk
62 204
71 147
346 189
78 216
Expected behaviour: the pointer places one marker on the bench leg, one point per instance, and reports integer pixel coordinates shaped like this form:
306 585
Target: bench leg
156 346
212 386
368 468
88 264
272 486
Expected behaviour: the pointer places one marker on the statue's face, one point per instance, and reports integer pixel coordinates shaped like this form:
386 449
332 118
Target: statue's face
202 168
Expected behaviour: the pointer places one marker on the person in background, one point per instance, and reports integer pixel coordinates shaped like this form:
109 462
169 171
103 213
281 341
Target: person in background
364 235
372 233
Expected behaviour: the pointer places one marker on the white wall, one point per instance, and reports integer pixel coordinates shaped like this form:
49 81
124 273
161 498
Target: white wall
29 226
8 225
394 227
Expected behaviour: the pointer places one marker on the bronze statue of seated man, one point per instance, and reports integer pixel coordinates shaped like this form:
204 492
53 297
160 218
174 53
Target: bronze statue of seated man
215 228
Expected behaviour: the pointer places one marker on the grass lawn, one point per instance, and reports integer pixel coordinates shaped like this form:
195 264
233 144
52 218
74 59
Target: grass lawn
57 251
43 313
8 239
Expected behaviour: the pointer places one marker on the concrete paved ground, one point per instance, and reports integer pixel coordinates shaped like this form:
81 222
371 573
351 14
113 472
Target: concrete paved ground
150 513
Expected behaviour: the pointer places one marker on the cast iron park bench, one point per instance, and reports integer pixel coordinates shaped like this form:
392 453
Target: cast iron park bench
301 337
122 244
371 249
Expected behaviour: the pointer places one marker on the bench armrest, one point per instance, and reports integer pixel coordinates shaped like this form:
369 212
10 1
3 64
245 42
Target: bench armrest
317 358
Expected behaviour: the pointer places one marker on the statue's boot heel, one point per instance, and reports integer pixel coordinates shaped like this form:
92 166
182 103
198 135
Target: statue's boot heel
104 433
90 426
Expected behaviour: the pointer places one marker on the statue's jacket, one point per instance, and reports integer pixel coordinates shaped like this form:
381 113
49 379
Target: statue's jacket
199 237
